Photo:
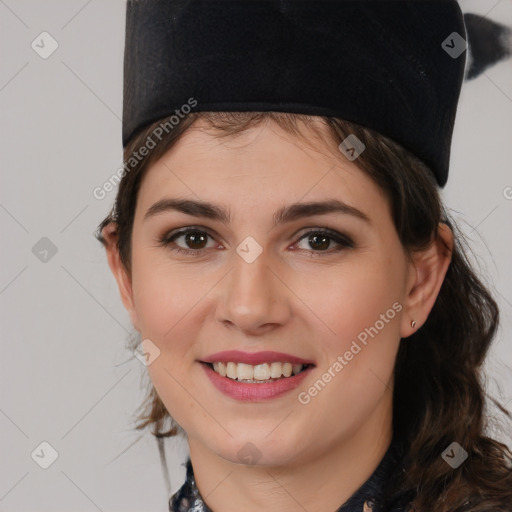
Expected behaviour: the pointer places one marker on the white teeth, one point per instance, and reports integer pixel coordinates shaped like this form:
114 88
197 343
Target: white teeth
296 368
220 368
260 372
276 370
231 370
287 369
244 371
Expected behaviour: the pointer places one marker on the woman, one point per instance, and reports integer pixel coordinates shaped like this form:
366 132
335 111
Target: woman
308 317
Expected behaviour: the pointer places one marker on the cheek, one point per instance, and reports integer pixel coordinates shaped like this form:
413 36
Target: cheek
164 296
167 302
363 304
362 309
351 301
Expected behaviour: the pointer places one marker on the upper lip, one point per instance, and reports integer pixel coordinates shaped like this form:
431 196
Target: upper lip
254 358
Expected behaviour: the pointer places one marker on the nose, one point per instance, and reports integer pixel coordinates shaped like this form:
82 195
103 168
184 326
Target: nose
252 297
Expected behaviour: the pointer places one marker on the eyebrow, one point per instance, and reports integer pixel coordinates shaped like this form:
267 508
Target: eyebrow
287 213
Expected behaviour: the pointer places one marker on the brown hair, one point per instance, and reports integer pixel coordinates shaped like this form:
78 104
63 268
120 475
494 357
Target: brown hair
439 392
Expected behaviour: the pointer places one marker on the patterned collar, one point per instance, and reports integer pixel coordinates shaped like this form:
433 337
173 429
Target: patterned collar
365 499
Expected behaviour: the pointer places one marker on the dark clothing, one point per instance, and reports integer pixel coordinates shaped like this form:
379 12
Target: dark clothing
365 499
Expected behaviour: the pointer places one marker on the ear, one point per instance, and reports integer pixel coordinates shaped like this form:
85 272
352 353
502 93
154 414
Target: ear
427 272
110 237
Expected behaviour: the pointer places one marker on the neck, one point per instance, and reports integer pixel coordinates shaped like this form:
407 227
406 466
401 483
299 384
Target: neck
319 482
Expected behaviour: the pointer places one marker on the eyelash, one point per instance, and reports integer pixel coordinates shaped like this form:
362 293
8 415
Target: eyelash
344 241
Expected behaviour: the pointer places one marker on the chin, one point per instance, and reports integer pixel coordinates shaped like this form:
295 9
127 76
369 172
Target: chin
259 450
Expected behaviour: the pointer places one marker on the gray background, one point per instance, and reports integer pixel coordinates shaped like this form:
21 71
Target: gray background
66 377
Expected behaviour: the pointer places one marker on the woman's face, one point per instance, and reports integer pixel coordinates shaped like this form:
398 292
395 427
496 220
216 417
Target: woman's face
262 278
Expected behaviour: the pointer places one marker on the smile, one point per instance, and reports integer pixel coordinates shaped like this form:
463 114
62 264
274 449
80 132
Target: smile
253 390
266 372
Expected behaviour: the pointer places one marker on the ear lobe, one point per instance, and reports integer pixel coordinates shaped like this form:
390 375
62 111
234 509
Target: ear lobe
429 270
121 274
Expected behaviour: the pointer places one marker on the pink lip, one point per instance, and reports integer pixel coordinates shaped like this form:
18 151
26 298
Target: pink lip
254 392
254 358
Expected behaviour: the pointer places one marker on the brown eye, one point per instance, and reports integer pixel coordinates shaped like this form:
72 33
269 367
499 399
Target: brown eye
321 240
194 241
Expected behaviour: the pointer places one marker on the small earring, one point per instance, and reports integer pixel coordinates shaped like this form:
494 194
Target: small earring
413 324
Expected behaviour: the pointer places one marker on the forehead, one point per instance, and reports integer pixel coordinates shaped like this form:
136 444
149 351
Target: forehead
261 165
259 141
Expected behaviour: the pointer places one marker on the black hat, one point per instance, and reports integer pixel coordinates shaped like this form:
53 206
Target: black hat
393 66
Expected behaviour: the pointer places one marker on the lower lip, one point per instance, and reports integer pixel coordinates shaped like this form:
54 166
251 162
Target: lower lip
247 392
